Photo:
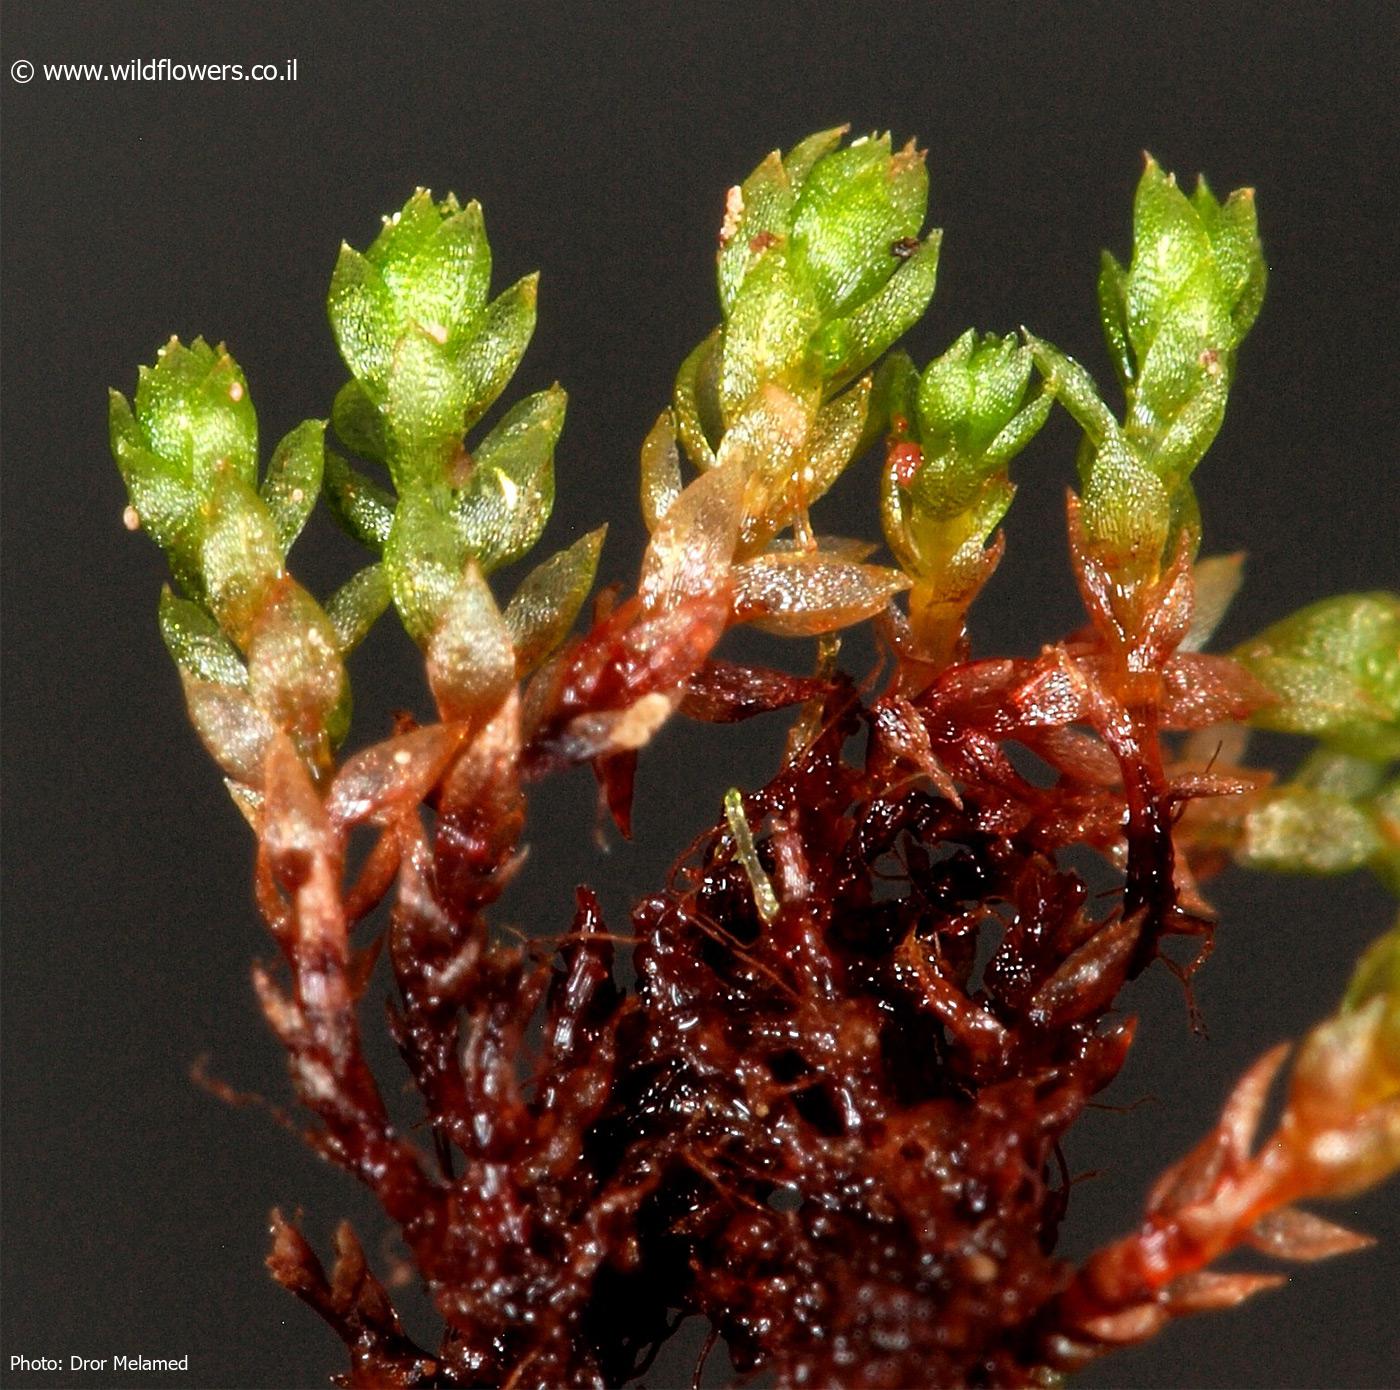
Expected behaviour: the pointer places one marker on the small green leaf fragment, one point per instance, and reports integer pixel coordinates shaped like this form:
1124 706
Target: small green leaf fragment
1377 974
745 851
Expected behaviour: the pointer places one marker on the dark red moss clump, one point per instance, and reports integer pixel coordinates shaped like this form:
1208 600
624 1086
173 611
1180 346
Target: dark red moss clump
827 1118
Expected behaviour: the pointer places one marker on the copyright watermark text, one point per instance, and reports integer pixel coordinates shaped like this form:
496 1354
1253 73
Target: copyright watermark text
154 70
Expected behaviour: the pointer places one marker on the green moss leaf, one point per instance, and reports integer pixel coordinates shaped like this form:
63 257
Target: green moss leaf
544 607
363 320
1335 670
471 661
765 339
507 499
293 479
854 206
355 607
198 647
241 555
360 423
195 412
491 360
363 508
424 556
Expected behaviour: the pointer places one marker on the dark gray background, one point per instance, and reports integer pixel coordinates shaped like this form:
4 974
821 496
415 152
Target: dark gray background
600 139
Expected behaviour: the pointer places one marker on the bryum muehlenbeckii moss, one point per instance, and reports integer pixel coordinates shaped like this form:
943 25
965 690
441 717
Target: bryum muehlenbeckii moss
805 1016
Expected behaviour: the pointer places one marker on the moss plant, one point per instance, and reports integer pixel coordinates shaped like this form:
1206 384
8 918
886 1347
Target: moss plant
811 1119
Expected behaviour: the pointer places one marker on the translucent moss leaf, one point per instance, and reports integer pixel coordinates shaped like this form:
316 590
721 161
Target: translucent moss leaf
846 346
803 156
491 360
423 558
767 444
441 285
804 594
1292 1234
295 672
364 510
545 605
199 649
231 726
1127 508
161 493
1074 388
1335 669
360 423
766 336
854 206
355 607
1192 430
1169 247
194 409
1233 229
769 435
471 662
241 555
297 835
758 216
425 406
363 319
1113 312
293 479
692 546
406 233
661 470
1217 580
835 439
507 498
1298 830
392 776
696 401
